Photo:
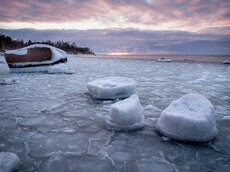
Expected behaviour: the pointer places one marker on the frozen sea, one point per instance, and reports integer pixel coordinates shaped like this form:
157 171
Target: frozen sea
52 124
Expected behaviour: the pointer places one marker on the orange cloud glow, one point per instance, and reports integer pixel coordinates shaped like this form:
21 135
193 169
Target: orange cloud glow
192 16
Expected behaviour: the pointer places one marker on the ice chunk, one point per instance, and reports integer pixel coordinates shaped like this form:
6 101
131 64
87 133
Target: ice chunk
190 118
60 68
112 87
126 115
8 161
8 81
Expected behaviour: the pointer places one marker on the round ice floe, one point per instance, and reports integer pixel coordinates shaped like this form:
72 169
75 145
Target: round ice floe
190 118
126 115
8 161
112 87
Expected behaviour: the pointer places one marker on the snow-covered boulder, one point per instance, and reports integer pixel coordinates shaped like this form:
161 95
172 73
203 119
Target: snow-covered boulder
190 118
8 161
163 59
226 61
112 87
36 58
126 115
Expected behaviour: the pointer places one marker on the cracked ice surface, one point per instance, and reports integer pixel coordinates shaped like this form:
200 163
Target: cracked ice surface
52 123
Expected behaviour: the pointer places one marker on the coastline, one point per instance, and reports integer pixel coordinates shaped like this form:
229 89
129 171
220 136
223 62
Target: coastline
177 58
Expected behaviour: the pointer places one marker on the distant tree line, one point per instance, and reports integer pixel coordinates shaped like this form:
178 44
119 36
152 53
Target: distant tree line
7 43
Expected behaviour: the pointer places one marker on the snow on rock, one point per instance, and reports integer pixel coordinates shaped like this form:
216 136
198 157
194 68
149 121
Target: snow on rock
190 118
226 61
8 81
163 59
8 161
126 115
112 87
37 58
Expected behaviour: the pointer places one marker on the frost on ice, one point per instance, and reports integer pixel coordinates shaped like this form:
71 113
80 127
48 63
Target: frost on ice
190 118
8 161
37 58
112 88
126 115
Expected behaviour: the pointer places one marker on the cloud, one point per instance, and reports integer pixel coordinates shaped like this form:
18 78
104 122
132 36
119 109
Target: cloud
184 15
133 40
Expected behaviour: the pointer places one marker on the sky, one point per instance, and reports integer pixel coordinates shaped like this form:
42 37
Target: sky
123 26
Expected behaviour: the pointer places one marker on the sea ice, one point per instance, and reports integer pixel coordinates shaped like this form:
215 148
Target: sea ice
112 87
154 164
190 118
8 161
126 115
44 145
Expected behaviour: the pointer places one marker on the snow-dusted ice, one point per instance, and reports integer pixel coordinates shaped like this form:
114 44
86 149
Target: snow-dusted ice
190 118
57 63
112 87
126 115
8 162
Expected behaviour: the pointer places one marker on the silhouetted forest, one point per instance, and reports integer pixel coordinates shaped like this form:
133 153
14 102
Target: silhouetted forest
7 43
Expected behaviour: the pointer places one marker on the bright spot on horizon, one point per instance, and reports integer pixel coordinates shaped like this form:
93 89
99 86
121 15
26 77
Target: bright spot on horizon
149 1
119 53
